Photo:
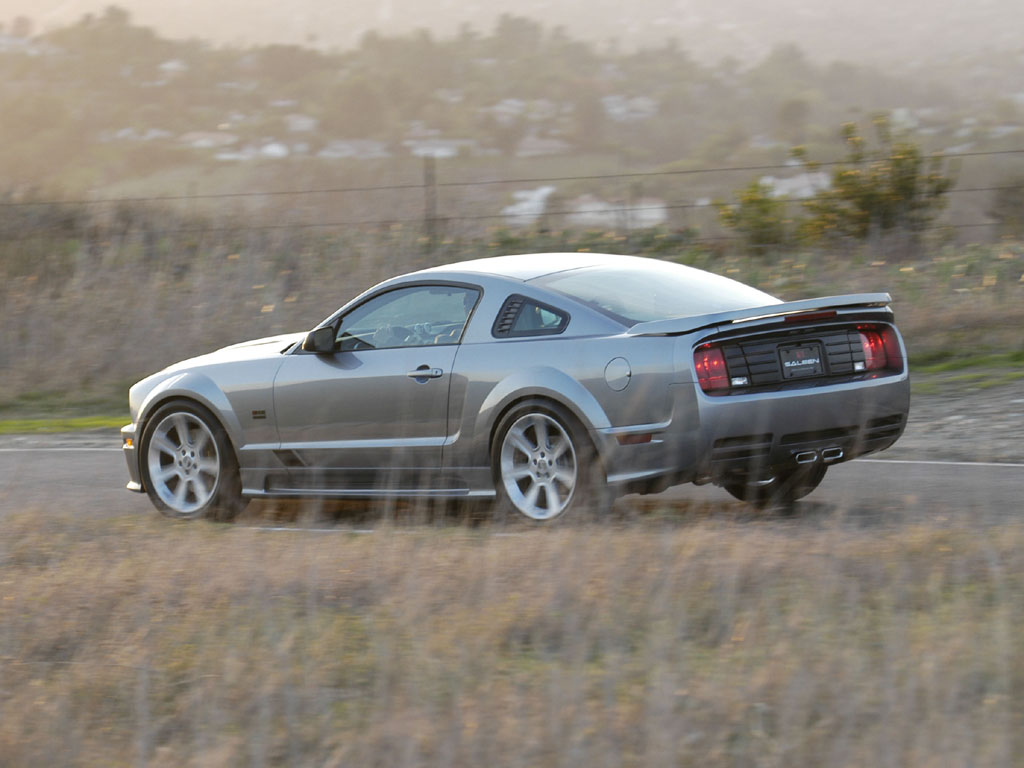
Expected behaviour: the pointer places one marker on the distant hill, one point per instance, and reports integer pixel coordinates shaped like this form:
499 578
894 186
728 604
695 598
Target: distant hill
873 31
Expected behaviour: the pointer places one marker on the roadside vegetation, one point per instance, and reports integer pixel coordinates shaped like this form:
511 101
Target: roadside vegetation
93 303
889 191
698 636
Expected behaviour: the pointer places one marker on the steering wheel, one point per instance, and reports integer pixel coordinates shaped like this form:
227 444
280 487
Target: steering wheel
391 336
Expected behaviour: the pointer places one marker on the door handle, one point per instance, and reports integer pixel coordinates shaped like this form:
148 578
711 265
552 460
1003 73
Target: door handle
425 372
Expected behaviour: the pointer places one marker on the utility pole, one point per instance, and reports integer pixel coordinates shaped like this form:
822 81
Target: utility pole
430 201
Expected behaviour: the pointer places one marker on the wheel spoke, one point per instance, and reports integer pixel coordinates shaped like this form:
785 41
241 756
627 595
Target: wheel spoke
540 431
199 487
181 427
180 494
554 501
202 440
167 473
530 498
163 444
208 465
559 449
520 442
564 476
518 472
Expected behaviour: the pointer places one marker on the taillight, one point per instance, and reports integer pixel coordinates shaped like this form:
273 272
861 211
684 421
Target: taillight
874 350
881 349
709 364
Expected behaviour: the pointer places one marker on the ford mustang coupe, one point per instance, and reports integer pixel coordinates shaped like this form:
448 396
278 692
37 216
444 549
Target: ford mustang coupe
549 383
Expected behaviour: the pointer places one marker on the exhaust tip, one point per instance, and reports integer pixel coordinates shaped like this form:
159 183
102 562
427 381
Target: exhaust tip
832 454
807 457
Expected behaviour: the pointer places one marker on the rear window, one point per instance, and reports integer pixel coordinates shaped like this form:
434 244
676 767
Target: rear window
658 291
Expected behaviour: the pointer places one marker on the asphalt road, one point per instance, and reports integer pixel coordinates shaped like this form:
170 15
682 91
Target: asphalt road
89 480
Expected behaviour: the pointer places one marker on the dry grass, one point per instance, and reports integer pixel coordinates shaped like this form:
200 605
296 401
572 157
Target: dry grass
743 642
91 304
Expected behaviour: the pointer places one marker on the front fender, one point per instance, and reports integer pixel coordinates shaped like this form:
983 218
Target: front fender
190 385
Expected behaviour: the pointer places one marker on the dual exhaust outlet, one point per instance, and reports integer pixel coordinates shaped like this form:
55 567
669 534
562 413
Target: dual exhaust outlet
829 456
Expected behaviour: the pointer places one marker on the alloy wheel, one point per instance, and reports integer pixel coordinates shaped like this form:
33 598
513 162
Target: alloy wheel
184 463
538 466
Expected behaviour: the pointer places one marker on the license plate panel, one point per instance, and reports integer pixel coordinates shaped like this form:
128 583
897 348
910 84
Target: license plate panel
801 360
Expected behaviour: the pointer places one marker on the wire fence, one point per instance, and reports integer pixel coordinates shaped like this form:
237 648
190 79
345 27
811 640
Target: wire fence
629 208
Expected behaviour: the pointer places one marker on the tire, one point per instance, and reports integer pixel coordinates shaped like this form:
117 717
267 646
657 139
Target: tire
188 464
782 489
545 467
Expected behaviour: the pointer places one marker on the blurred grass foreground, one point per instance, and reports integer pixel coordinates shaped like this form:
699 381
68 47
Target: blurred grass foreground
142 642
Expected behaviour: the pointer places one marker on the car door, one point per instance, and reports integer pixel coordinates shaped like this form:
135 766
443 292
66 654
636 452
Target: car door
375 410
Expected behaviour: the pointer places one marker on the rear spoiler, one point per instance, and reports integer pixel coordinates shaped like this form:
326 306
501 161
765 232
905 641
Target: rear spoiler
679 325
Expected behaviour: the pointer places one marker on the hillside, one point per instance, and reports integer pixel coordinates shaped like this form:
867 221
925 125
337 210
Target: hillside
107 107
875 31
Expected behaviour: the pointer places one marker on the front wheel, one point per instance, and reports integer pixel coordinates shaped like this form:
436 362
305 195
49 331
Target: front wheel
782 489
188 465
544 465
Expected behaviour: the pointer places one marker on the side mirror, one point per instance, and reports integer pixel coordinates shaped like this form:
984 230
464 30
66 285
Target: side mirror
319 340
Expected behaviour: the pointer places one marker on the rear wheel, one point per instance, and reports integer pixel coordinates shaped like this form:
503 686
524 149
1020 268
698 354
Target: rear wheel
188 464
544 465
782 489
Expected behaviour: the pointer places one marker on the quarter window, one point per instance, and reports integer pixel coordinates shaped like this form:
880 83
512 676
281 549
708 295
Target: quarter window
520 316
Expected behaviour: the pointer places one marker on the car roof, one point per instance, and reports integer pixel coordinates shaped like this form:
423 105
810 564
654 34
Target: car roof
529 266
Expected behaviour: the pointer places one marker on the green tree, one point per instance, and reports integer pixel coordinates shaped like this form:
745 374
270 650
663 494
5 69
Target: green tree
893 186
759 217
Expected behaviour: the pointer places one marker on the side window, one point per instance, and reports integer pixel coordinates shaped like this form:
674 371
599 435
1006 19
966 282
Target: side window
520 316
417 316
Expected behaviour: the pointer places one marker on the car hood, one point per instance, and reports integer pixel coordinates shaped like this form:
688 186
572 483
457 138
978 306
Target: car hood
257 349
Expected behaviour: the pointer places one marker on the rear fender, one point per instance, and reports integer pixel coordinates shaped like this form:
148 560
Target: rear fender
543 382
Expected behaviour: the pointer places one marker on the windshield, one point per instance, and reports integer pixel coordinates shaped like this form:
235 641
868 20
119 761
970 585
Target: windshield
657 290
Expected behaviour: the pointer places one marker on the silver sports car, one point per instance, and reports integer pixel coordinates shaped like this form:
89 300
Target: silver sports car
547 382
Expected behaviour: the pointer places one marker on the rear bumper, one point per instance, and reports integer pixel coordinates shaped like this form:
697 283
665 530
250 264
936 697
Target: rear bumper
754 437
129 446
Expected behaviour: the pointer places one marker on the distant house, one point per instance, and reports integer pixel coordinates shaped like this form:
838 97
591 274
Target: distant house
132 134
532 145
275 150
529 206
301 123
629 109
441 148
508 111
358 149
270 149
14 44
208 139
1002 131
234 85
173 67
590 211
799 187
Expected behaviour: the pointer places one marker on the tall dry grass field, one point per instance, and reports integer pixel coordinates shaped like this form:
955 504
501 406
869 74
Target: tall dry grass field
93 300
689 641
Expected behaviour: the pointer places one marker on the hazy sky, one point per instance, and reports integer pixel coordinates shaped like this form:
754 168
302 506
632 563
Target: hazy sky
877 30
